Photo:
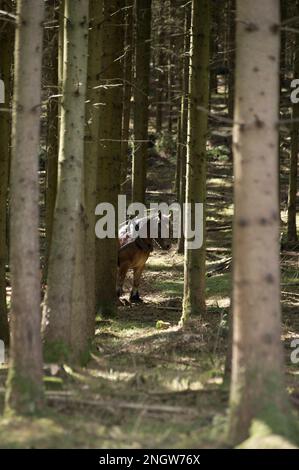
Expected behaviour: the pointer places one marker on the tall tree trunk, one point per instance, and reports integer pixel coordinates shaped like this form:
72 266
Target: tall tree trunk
215 12
128 76
169 67
64 307
141 100
24 391
292 193
231 55
110 148
194 264
6 47
52 129
178 65
257 390
184 116
92 148
178 167
283 41
160 72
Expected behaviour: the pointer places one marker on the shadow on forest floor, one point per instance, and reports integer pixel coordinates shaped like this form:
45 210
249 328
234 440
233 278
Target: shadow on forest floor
156 388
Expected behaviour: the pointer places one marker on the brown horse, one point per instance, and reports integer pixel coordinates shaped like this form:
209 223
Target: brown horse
135 246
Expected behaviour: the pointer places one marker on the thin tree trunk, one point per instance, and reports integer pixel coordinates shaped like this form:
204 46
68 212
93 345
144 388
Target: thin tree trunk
169 68
110 148
184 117
64 306
6 48
92 149
194 264
141 100
178 166
231 54
60 51
24 390
128 76
292 193
52 132
257 389
160 73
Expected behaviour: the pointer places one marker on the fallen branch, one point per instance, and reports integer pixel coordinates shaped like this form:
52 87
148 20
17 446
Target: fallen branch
220 227
220 266
160 307
119 404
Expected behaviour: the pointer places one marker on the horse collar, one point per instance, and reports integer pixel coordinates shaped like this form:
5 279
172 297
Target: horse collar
143 245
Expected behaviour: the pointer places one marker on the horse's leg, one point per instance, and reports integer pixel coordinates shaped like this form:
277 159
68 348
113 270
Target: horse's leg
134 296
121 276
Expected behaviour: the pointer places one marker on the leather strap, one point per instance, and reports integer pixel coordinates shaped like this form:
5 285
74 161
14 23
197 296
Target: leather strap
142 245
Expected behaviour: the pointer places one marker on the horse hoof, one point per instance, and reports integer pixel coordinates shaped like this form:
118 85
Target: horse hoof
135 299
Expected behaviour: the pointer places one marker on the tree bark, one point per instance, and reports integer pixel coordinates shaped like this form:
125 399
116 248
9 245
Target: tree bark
128 77
231 54
65 305
184 117
92 149
292 192
194 263
6 47
52 130
110 148
257 389
24 390
141 100
160 65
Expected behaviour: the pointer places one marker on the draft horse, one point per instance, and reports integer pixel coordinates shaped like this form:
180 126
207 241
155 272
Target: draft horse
136 242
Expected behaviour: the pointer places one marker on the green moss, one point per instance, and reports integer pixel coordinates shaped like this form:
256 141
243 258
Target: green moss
272 420
56 352
219 285
85 356
53 383
272 412
23 395
170 287
107 310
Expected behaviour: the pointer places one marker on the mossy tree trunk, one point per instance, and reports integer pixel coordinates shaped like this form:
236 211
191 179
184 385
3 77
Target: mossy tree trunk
24 390
65 320
6 48
128 76
109 163
194 263
92 147
257 389
141 98
51 77
292 193
184 117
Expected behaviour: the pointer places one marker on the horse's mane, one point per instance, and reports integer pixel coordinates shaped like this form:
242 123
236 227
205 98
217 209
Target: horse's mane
133 225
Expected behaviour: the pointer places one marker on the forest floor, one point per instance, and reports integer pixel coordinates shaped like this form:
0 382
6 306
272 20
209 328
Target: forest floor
147 387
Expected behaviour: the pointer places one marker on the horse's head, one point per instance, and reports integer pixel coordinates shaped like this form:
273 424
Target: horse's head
160 230
155 227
